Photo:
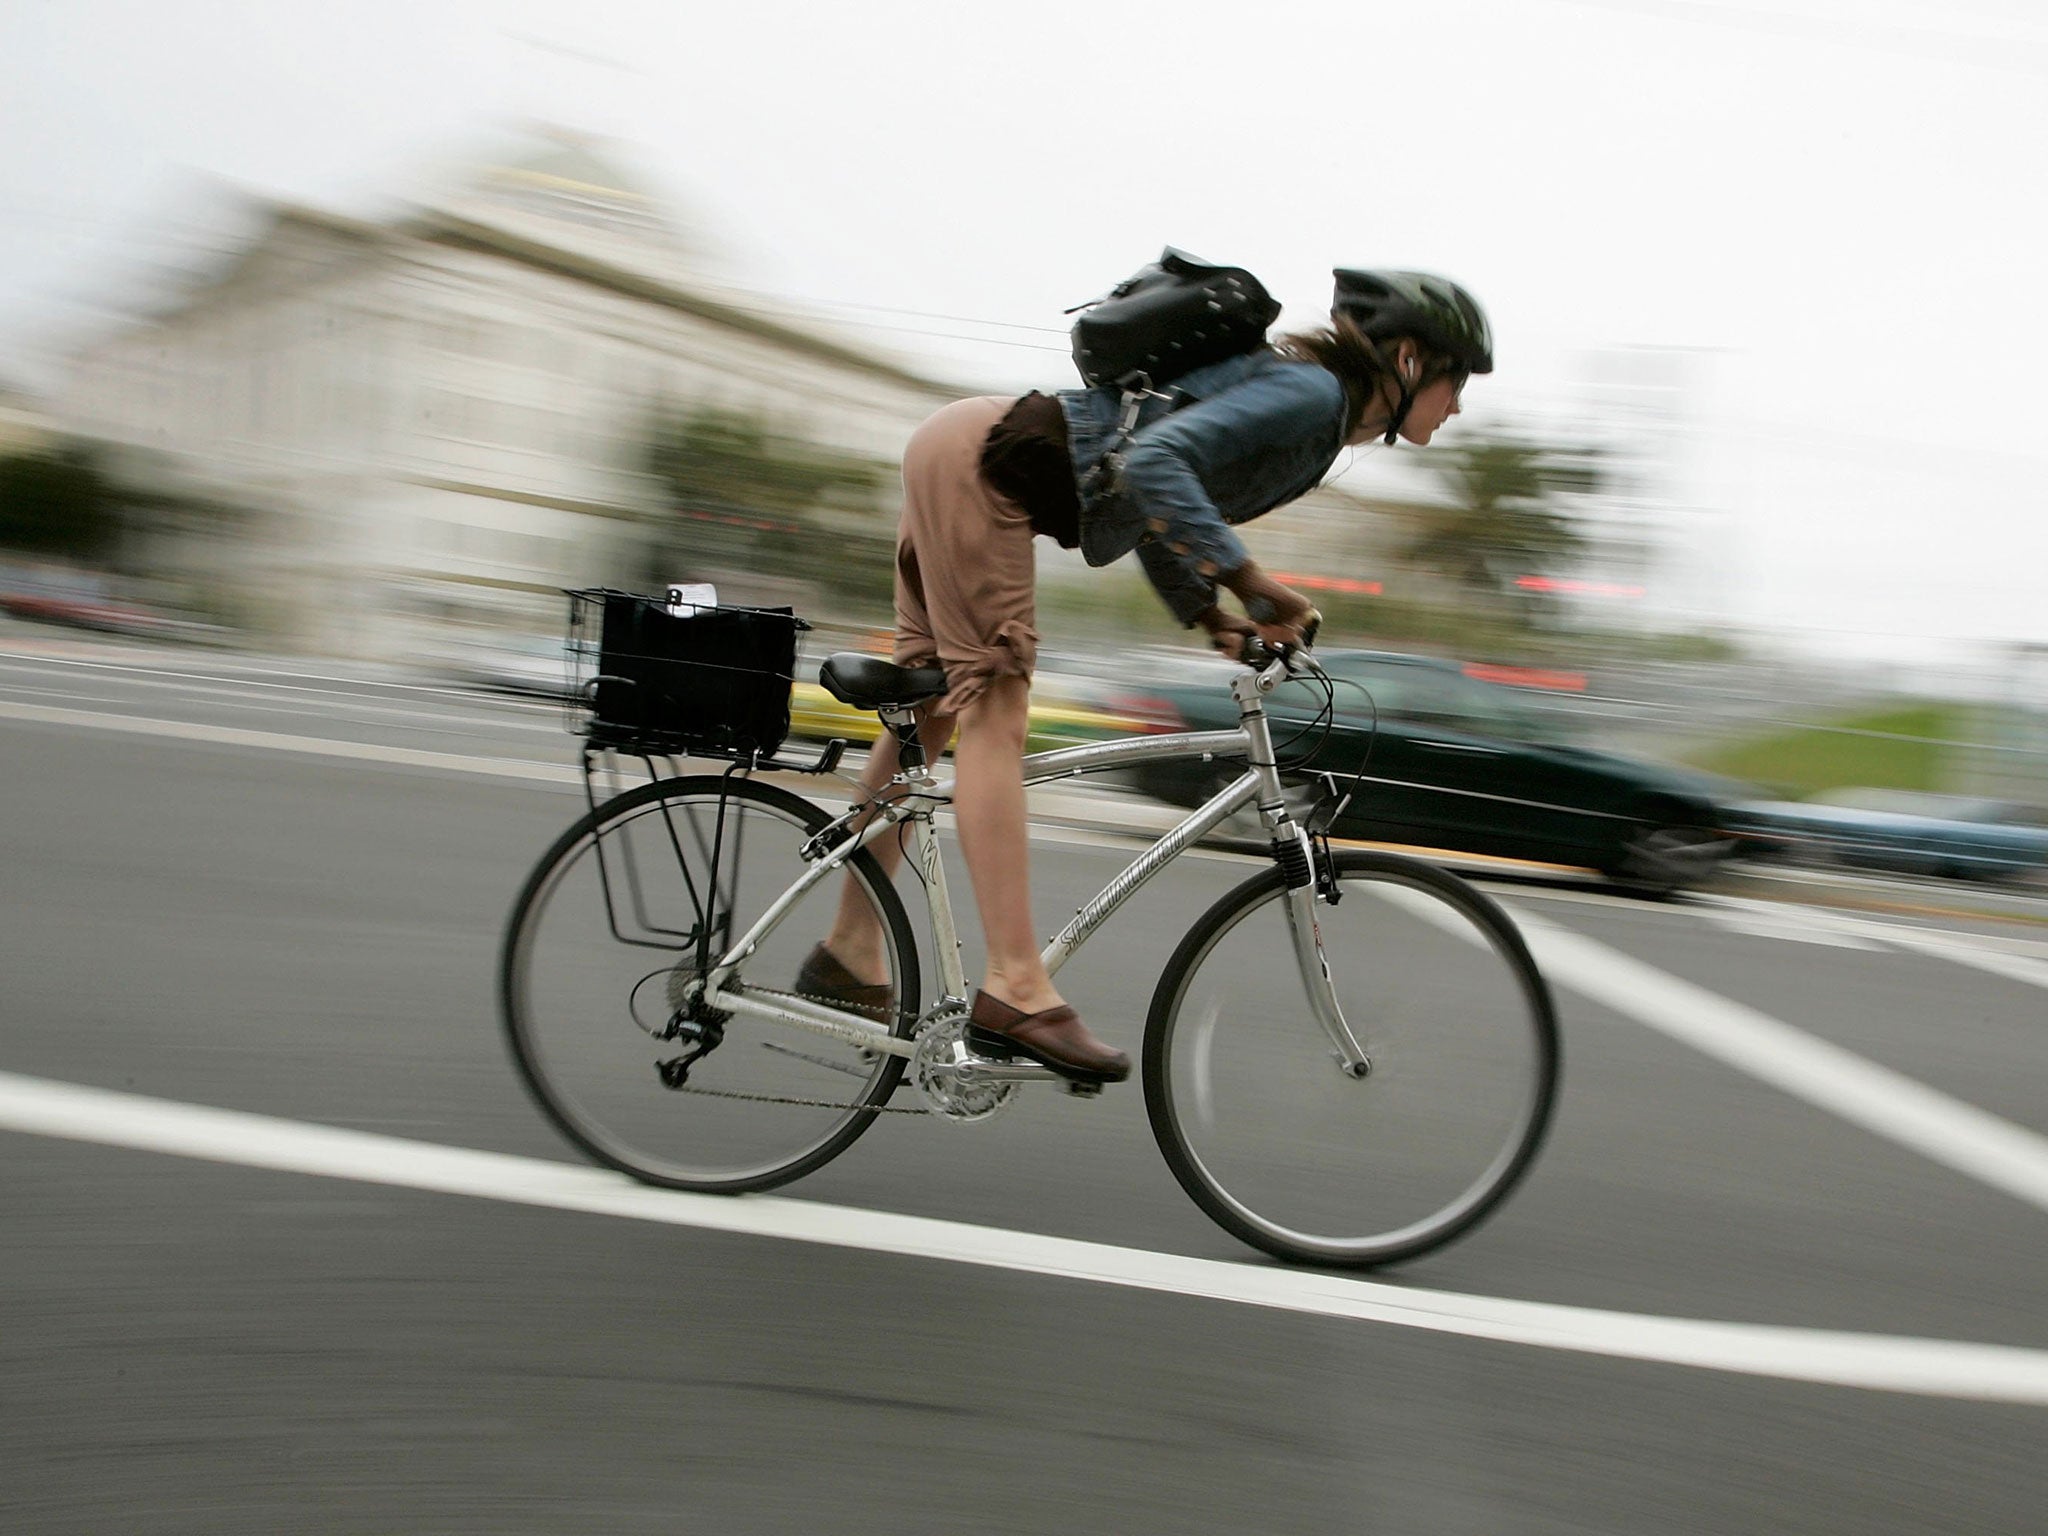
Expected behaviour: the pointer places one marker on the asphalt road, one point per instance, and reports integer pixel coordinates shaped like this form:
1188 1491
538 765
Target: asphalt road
274 889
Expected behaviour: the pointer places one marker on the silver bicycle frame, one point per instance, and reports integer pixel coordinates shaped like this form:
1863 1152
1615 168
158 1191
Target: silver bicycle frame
1260 784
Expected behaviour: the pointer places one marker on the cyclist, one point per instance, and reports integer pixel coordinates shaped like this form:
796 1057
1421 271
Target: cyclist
983 476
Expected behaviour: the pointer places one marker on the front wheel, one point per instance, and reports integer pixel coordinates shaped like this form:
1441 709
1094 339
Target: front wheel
1276 1142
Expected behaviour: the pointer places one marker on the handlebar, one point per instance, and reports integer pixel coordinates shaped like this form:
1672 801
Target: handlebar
1277 661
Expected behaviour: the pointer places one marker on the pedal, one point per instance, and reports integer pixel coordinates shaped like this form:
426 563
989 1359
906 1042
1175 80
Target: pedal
1081 1090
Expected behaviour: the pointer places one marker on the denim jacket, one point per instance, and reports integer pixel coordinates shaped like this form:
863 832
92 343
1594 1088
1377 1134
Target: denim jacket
1230 443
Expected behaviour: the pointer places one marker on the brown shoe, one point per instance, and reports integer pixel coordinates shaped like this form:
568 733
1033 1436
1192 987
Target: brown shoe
824 980
1053 1038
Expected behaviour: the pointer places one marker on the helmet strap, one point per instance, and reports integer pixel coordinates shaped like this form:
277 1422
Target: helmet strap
1407 402
1401 411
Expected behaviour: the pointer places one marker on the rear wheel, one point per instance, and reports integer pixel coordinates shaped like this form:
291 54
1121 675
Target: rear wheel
1276 1142
598 962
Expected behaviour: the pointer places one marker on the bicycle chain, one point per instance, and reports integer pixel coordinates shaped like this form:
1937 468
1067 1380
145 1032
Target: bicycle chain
777 1098
780 1098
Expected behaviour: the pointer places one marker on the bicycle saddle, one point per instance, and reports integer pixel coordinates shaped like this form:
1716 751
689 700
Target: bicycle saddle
868 682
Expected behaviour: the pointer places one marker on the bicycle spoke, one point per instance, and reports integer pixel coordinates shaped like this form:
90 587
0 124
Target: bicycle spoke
1290 1153
599 1019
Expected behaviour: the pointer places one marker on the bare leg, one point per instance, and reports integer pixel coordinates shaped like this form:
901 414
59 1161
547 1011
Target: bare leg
989 803
1020 1009
856 937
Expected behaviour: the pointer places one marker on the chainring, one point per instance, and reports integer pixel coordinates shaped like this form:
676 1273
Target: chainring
941 1045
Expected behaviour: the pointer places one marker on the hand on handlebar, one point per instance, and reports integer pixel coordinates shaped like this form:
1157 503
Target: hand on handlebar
1261 651
1257 644
1280 616
1227 632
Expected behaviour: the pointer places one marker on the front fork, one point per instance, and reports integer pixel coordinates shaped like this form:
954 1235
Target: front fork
1296 856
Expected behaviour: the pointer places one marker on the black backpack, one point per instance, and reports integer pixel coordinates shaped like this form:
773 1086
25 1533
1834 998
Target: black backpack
1177 315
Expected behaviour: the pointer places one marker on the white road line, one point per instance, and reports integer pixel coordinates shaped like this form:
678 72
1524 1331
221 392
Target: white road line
311 746
1929 1367
1786 924
23 691
2012 967
234 691
243 674
1955 1134
2015 960
353 708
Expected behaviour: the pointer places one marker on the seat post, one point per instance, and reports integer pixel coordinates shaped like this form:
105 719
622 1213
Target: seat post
901 721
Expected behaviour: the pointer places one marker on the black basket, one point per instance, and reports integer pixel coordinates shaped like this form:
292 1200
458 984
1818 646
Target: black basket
711 683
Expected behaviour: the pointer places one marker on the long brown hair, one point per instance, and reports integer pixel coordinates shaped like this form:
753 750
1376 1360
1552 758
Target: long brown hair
1358 362
1347 352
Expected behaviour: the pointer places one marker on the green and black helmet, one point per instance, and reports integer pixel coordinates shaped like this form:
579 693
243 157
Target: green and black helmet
1434 310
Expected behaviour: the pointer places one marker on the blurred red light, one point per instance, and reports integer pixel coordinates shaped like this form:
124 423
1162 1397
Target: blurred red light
1528 677
1578 588
1328 583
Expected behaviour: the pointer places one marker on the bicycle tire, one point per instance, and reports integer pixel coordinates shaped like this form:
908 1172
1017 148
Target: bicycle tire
744 1119
1284 1150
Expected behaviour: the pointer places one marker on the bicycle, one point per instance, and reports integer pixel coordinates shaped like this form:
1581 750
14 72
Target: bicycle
1349 1059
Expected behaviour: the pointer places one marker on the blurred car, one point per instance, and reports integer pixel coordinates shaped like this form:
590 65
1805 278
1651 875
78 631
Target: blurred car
1451 762
86 603
1902 832
536 665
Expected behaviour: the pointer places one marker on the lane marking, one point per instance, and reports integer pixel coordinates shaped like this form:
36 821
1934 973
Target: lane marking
1997 963
1958 1135
310 746
25 691
353 708
243 674
1789 925
1927 1367
233 690
2014 959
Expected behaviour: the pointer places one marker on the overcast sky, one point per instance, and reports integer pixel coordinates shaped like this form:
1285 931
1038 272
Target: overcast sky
1832 210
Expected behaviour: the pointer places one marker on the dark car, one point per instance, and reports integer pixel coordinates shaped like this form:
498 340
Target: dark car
1451 762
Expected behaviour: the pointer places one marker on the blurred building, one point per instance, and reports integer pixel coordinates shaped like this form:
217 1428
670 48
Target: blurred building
437 415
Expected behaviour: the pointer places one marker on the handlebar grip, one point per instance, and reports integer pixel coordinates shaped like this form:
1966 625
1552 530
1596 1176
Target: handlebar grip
1261 610
1257 653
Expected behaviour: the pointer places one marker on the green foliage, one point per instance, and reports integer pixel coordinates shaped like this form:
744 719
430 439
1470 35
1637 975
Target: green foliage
61 504
746 498
1901 747
1116 601
84 504
1505 519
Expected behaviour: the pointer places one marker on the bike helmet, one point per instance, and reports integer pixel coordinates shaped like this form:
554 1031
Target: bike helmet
1434 310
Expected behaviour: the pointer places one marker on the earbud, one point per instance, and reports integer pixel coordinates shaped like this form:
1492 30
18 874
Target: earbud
1409 369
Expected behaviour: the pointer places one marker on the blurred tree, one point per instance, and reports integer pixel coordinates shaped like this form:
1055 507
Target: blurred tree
748 499
96 506
62 504
1504 520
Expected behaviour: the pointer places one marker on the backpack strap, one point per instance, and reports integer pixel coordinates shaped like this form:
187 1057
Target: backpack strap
1107 475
